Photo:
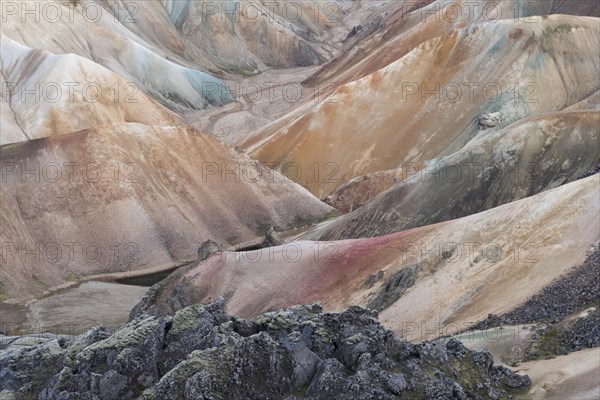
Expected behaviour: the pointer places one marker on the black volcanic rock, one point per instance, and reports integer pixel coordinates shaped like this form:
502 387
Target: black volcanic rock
591 172
272 238
394 287
206 249
203 353
576 290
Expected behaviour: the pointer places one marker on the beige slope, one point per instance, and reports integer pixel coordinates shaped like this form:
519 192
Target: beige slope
591 102
56 94
574 376
10 130
148 20
548 234
467 268
373 124
530 156
131 197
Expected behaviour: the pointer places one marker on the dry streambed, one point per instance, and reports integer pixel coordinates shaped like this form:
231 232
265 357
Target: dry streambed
75 310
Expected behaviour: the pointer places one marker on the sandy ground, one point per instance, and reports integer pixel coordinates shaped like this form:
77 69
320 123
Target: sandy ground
74 311
575 376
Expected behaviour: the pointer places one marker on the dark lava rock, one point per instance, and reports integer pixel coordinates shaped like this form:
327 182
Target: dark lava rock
272 238
555 307
354 31
372 279
583 332
489 120
591 172
394 287
567 337
206 249
201 352
570 293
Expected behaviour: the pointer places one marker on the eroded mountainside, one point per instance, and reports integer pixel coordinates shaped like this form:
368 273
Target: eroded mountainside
120 197
428 103
423 173
445 276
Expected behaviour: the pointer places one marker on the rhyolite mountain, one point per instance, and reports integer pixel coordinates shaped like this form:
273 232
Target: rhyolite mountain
124 194
347 197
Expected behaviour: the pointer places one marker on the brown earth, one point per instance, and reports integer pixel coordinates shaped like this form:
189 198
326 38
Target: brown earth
373 124
128 196
465 268
530 156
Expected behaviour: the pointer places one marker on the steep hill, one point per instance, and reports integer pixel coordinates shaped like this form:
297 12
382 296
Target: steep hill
429 103
66 93
93 32
128 197
427 281
529 156
396 27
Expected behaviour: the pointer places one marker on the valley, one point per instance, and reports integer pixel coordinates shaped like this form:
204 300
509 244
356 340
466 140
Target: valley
361 199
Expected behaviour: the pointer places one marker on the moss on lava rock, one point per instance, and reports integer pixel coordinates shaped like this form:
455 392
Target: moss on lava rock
298 352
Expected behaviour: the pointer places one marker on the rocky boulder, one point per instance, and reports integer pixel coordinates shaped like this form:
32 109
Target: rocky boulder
489 120
272 238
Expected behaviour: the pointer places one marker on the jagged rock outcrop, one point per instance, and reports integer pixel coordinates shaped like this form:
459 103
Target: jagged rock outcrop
272 238
394 287
207 248
203 353
489 120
